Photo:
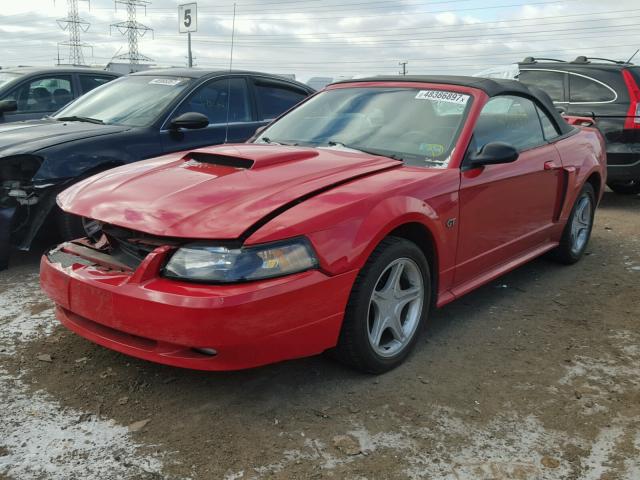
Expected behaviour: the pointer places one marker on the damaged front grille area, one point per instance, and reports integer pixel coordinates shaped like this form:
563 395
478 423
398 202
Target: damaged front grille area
115 248
129 247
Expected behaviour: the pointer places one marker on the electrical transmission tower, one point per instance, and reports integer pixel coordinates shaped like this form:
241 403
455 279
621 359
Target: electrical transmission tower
132 29
74 25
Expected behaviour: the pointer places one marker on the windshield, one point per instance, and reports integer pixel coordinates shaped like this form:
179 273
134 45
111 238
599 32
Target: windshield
6 77
135 101
419 127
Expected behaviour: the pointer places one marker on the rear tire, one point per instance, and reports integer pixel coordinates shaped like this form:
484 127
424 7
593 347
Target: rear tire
388 305
630 187
577 231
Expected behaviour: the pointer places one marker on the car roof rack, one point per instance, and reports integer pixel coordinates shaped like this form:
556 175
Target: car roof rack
529 60
583 59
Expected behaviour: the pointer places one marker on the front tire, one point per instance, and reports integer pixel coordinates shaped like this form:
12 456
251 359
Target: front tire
577 231
387 307
630 187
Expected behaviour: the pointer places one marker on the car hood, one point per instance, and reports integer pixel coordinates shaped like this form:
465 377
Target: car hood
218 192
31 136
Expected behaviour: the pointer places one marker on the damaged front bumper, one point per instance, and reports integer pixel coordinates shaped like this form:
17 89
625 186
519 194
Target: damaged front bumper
24 204
133 309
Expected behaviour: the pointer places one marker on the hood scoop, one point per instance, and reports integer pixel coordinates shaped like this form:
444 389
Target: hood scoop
217 159
250 156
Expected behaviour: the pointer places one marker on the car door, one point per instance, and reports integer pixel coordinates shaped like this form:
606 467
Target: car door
40 96
507 210
227 105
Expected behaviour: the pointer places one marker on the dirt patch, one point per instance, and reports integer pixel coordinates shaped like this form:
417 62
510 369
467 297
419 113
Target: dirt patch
535 376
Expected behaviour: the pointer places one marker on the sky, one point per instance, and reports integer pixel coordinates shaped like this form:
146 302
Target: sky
332 37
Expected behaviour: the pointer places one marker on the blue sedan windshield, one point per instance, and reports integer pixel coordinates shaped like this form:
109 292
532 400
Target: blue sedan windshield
135 101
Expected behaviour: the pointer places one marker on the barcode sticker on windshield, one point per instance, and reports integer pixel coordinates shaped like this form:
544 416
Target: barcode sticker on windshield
443 96
170 82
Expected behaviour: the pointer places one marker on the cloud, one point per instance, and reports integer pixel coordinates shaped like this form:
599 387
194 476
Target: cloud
352 37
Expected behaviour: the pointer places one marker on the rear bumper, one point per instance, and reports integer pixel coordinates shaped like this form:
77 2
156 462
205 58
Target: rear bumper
623 166
146 316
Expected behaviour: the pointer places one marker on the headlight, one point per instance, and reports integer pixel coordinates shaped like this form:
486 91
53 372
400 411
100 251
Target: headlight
208 263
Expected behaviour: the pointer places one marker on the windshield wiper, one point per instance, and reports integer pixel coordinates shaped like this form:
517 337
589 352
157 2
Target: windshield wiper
271 142
76 118
392 156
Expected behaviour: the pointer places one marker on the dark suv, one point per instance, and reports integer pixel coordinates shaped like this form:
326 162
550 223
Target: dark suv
606 90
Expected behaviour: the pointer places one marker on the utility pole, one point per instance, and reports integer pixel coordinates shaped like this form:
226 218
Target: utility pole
132 29
190 63
187 23
404 67
74 25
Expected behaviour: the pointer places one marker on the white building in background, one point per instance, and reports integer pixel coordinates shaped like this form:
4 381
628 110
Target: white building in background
125 67
507 71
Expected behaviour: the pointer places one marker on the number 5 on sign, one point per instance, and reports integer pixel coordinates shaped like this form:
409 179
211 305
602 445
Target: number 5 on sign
188 17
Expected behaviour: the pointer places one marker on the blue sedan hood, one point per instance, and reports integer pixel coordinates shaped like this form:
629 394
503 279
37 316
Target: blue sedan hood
32 136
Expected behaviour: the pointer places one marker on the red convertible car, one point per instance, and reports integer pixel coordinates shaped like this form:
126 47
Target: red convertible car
336 228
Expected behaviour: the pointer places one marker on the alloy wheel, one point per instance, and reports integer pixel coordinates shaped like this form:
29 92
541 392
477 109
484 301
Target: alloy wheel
395 307
581 224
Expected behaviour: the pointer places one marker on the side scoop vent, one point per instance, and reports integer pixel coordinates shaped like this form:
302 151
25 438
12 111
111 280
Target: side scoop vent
222 160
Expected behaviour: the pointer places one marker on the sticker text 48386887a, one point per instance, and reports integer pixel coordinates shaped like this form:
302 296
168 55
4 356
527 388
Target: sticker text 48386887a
443 96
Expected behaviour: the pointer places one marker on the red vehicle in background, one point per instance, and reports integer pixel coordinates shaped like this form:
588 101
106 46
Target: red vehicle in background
338 228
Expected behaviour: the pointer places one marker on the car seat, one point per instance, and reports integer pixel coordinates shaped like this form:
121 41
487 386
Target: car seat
61 97
42 100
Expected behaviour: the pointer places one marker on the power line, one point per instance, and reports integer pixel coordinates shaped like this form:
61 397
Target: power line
419 42
430 27
264 13
342 7
404 31
133 30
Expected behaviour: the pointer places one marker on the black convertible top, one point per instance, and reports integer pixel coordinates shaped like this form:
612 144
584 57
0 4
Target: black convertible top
491 86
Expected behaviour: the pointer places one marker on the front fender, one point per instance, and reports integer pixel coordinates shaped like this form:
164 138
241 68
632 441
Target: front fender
78 158
358 240
64 167
345 224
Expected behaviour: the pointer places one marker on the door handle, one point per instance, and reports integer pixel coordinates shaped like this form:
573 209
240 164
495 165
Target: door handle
551 165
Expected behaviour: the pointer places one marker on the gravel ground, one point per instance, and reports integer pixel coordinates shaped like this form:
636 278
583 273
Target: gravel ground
535 376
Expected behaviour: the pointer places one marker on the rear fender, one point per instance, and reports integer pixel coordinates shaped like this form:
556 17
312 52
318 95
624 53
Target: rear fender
583 155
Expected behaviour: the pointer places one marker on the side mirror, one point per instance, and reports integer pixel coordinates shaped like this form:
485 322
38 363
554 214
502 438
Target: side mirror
8 106
190 121
492 154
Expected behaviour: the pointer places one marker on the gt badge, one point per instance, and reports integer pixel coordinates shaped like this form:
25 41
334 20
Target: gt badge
451 223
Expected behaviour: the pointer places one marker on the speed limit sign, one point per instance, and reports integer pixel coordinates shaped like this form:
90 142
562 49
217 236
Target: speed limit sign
188 17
